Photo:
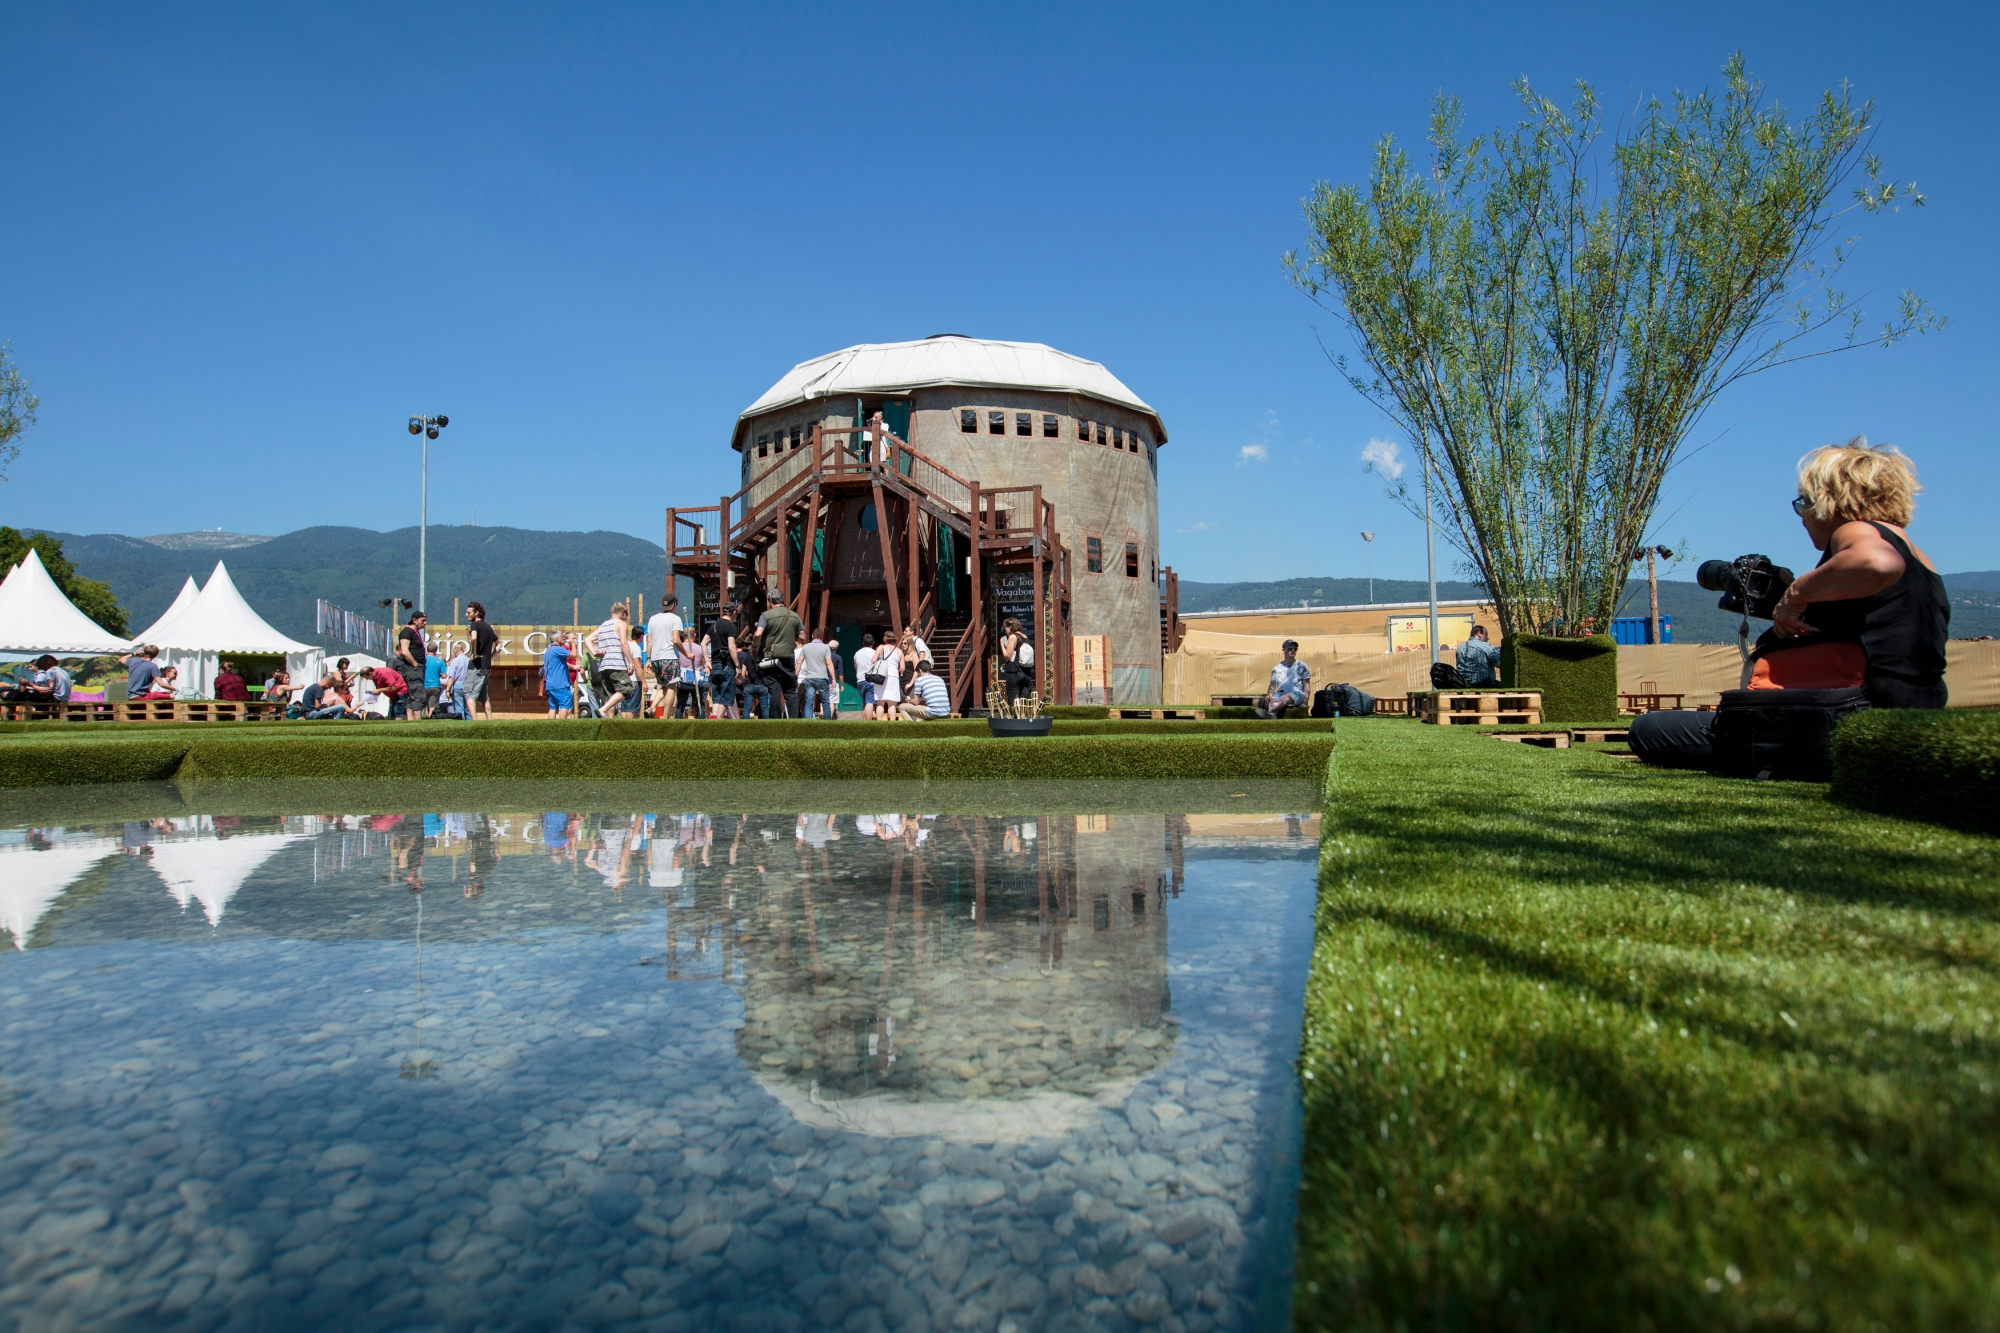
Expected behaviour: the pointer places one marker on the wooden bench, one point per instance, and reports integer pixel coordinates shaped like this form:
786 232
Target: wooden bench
1477 708
1162 714
1649 698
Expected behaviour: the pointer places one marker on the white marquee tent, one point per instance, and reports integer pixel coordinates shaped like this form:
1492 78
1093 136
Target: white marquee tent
36 617
31 879
218 623
186 598
211 870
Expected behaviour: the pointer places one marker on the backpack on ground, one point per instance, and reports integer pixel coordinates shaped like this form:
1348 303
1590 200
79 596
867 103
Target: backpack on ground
1444 676
1351 702
1783 734
1324 704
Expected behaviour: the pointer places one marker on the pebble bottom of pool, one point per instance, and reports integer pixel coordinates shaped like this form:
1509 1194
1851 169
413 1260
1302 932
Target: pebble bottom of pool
664 1070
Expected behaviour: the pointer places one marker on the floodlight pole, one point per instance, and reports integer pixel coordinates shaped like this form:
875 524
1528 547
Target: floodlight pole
1369 537
428 428
1430 561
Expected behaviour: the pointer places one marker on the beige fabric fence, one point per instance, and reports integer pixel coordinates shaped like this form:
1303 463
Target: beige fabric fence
1210 663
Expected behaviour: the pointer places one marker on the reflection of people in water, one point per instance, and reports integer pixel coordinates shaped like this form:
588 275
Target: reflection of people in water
816 831
558 831
406 845
480 852
138 840
612 857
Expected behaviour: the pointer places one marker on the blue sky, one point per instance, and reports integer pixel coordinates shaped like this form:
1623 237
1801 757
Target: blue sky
243 244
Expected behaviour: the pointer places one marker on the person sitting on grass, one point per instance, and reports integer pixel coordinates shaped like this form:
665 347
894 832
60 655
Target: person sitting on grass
1873 587
929 698
1291 684
1478 660
318 702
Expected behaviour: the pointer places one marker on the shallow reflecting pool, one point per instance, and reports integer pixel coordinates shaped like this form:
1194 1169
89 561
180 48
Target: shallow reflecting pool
658 1064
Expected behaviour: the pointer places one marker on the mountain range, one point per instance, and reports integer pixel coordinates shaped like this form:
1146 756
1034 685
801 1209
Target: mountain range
527 577
522 576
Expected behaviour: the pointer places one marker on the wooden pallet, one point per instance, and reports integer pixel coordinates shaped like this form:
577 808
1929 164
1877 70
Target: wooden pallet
1162 714
1599 735
1477 708
142 710
1548 740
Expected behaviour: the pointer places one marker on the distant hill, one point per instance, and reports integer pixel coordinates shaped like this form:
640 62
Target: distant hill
522 576
1314 592
1975 601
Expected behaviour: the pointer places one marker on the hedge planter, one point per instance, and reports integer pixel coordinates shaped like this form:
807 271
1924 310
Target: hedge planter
1019 726
1578 678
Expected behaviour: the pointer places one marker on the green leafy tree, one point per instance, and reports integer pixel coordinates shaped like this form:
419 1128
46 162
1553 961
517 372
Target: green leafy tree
1547 324
17 408
92 598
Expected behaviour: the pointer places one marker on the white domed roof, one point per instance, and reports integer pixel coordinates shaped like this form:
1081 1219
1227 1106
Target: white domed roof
948 359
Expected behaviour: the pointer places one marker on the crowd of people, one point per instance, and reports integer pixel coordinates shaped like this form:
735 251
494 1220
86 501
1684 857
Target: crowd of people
731 667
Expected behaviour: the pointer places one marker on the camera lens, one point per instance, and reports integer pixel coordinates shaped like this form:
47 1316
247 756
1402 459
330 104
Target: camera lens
1715 575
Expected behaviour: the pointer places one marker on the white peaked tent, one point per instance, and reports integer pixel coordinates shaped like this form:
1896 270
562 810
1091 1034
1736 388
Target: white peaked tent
36 617
32 879
211 870
181 603
218 623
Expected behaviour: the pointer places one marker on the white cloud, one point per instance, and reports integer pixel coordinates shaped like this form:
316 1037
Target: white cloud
1383 456
1199 527
1254 453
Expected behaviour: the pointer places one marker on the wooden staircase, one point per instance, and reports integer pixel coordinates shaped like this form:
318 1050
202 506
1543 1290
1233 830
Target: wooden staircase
744 544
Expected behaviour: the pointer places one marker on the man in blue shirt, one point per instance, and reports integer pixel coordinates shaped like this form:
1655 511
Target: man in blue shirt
1291 684
1478 660
555 679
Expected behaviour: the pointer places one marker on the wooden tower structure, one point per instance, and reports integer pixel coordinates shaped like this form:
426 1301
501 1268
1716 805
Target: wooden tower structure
853 516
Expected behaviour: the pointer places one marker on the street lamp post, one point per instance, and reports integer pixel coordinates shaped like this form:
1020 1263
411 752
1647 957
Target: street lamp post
1369 537
428 427
1430 561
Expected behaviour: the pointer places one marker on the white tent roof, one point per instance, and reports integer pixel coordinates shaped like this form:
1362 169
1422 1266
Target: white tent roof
211 870
948 359
220 621
32 879
181 603
35 616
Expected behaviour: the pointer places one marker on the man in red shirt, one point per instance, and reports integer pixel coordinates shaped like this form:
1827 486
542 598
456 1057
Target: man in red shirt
392 684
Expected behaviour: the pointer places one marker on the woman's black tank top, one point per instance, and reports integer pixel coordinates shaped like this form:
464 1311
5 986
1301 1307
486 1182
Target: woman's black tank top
1902 629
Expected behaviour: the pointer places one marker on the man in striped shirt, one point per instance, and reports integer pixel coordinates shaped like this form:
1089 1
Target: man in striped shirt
615 656
928 696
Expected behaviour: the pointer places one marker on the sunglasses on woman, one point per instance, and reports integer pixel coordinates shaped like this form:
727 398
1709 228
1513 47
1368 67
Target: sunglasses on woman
1801 506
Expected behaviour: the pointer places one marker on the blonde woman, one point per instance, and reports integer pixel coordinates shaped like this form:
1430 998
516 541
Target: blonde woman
1872 587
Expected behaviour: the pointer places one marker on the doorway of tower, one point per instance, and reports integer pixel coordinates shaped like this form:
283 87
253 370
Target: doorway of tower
895 418
848 635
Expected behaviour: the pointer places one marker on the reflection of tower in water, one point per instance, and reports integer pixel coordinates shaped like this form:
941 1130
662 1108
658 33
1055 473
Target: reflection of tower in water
977 977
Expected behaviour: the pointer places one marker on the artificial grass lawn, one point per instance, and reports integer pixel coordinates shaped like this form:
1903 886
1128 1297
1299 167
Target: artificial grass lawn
1595 1046
1934 765
912 755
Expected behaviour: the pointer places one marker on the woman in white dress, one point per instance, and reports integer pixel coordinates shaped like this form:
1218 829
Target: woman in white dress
889 694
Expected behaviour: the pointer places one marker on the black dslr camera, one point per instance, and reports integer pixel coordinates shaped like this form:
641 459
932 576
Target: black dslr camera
1750 584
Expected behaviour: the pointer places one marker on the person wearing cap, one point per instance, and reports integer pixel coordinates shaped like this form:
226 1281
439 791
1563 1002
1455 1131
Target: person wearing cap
1291 684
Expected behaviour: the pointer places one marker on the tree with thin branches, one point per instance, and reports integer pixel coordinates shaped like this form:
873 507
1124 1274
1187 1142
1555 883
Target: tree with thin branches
1548 328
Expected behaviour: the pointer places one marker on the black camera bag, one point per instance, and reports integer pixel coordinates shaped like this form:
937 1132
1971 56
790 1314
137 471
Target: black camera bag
1784 734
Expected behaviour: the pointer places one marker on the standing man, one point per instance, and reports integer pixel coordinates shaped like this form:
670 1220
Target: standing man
864 662
778 631
1478 659
722 649
472 687
615 655
1291 684
663 637
410 659
815 675
141 671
